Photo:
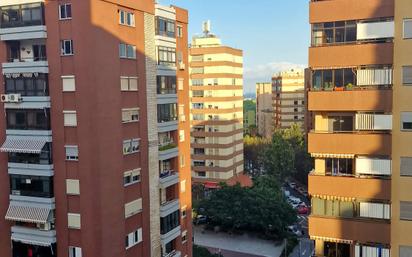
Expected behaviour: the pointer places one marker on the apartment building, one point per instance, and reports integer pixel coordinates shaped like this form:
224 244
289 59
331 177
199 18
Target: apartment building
89 172
216 90
264 109
355 100
289 98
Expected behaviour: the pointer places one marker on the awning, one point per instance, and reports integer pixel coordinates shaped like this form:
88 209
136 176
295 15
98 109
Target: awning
28 214
23 146
334 240
211 185
332 155
31 241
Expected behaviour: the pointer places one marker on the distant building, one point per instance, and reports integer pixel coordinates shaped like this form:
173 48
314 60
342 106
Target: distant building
216 90
264 109
249 116
288 89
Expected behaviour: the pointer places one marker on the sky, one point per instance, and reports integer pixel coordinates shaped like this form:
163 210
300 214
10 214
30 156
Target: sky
273 34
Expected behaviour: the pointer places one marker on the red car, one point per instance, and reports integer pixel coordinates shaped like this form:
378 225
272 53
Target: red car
303 210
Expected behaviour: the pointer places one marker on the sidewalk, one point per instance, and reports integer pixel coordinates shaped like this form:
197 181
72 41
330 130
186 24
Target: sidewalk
254 247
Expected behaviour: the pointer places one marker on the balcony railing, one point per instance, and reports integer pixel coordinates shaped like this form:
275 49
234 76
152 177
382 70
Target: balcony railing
166 173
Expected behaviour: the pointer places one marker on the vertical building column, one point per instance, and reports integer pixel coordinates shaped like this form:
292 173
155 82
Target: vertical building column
151 94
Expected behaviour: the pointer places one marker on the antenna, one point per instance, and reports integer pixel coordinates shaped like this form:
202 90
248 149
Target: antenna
206 27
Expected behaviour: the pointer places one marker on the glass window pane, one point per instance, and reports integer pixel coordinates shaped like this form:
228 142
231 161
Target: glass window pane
339 78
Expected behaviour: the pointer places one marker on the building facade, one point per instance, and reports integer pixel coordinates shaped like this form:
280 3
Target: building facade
88 171
360 203
216 90
289 98
264 109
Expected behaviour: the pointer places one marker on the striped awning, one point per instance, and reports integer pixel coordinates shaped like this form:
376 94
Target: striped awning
329 239
23 145
28 214
33 240
332 155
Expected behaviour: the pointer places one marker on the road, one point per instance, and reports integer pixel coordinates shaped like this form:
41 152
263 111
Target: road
247 245
305 249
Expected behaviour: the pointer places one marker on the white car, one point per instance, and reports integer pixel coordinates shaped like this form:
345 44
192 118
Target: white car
294 230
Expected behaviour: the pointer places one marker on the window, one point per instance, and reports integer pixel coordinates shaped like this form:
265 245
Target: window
165 27
169 222
179 31
180 83
127 51
28 119
65 11
69 84
70 118
130 115
371 251
134 238
182 161
131 177
72 187
201 173
329 79
75 251
66 47
22 15
133 208
405 251
128 83
184 236
166 113
72 153
406 210
31 186
29 84
334 32
181 135
166 56
184 212
183 186
406 166
407 28
406 119
339 167
407 75
126 18
166 85
74 220
131 146
341 123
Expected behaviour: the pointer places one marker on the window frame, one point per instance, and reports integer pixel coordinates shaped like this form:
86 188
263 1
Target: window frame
63 47
71 158
406 20
65 5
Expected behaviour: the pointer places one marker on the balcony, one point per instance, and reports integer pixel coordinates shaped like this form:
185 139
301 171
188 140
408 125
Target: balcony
351 100
350 55
44 238
30 169
168 178
171 235
338 10
23 21
168 152
349 186
173 253
350 229
169 207
350 143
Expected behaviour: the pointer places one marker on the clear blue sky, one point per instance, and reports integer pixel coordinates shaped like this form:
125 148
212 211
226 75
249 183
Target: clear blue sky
273 34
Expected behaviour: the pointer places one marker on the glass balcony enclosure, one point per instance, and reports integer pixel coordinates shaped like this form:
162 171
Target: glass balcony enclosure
26 51
27 84
28 119
34 186
166 85
169 222
45 157
165 27
166 112
22 15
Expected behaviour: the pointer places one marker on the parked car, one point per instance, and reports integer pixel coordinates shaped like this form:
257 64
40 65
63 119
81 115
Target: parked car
303 210
293 229
200 219
286 193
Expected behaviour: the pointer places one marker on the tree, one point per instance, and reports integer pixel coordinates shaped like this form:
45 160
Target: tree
261 208
253 146
279 157
202 252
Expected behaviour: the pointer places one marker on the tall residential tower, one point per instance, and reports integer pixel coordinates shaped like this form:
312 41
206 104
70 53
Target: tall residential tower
216 90
90 164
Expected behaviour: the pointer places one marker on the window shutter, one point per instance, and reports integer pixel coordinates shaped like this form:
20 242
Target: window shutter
133 208
407 29
70 118
375 30
406 166
405 251
72 186
407 75
133 84
72 151
74 220
124 83
406 210
126 115
139 234
69 84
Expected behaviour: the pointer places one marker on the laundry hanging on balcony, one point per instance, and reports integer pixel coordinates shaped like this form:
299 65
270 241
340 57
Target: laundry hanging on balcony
13 145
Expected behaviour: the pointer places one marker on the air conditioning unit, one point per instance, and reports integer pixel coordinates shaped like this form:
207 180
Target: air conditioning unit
44 227
4 98
14 98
